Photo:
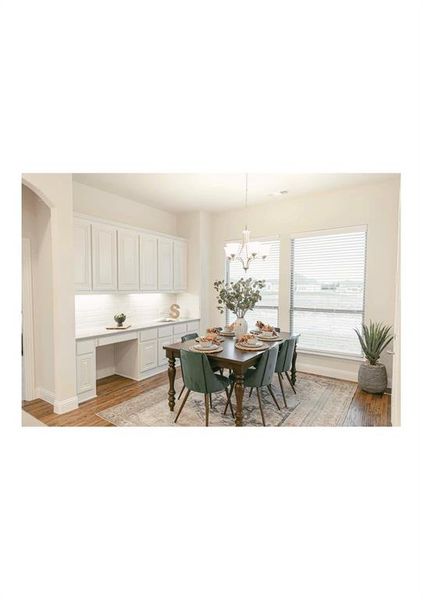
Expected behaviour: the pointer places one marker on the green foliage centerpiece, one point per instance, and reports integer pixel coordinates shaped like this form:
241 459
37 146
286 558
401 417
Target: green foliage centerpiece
239 297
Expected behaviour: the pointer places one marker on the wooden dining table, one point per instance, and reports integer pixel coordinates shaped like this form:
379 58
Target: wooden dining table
238 361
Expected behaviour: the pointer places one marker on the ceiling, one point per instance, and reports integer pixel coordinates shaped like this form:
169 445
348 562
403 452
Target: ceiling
182 192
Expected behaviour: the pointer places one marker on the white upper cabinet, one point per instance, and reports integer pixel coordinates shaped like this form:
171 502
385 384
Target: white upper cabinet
128 260
148 262
111 258
165 264
179 265
82 255
104 257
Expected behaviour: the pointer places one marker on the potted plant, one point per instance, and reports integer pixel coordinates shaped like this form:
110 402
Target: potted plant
239 297
373 340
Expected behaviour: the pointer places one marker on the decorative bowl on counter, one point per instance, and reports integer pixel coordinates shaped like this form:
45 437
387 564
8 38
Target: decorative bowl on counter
120 319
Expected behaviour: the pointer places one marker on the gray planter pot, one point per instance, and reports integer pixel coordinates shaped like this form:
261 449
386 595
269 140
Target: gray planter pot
372 378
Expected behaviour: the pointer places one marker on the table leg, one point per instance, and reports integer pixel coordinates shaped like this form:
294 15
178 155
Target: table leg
239 394
171 371
293 366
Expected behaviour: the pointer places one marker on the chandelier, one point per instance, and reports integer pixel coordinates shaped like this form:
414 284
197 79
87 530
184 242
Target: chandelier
246 251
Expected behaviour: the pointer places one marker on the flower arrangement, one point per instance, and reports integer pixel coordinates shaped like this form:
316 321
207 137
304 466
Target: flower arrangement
240 296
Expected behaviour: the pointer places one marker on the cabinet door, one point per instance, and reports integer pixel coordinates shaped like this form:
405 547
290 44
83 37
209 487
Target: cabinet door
85 372
165 264
128 260
179 265
148 262
82 254
148 355
104 257
162 359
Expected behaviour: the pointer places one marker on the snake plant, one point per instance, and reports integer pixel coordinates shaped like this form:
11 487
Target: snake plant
374 339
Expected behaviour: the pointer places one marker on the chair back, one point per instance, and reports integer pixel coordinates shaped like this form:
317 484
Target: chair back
272 356
198 374
283 348
189 336
265 368
286 353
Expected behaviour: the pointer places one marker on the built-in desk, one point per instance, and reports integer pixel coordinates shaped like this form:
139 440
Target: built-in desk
138 352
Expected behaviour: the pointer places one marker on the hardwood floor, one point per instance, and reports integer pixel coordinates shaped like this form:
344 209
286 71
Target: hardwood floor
372 410
369 410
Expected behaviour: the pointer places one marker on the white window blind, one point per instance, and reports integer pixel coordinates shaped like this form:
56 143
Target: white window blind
267 310
327 290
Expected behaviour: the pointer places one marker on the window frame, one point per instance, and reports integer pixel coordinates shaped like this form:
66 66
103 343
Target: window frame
292 309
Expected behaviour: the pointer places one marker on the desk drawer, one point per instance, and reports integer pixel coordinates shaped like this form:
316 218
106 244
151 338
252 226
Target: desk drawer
116 338
166 332
193 326
85 346
148 334
179 329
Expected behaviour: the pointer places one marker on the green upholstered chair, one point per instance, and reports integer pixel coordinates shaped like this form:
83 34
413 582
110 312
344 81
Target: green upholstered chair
199 377
186 338
259 377
284 362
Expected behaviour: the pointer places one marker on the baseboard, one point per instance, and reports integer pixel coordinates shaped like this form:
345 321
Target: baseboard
121 374
64 406
45 395
328 372
151 372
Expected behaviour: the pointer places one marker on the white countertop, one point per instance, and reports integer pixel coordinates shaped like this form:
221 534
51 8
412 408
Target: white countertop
102 331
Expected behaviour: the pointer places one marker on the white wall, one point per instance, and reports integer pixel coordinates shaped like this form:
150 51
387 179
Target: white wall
56 191
36 228
195 227
373 205
96 203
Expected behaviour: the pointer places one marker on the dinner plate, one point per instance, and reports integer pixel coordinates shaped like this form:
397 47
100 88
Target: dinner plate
270 339
257 344
227 333
210 349
250 348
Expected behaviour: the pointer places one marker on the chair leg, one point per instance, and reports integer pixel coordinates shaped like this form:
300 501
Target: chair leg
182 405
221 371
282 390
251 391
269 387
230 394
206 403
230 403
211 405
181 392
290 382
261 408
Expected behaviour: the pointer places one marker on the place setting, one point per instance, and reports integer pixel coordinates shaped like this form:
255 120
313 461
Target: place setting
209 344
228 331
250 343
267 333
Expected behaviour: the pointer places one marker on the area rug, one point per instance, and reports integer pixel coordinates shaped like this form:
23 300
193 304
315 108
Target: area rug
319 402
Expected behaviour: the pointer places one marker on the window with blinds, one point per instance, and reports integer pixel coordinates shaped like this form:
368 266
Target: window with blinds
327 290
267 310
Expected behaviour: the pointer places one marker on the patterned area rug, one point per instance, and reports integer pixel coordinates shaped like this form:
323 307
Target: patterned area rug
319 402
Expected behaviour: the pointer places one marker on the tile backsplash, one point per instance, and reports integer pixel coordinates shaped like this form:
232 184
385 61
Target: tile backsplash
94 311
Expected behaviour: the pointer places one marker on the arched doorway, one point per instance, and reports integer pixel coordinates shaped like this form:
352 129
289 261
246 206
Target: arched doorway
37 299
